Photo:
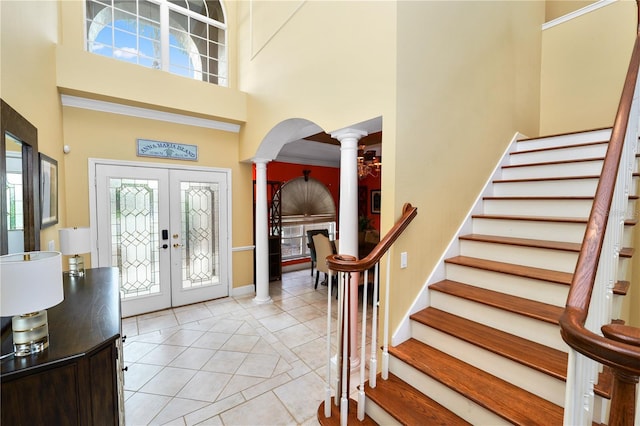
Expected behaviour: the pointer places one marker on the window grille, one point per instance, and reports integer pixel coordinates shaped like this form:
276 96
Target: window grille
183 37
294 238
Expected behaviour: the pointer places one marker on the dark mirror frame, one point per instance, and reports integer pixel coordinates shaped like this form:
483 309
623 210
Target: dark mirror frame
21 129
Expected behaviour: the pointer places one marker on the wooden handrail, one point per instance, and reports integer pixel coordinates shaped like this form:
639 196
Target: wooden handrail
613 352
345 263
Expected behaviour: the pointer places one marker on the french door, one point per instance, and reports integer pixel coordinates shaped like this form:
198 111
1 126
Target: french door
166 230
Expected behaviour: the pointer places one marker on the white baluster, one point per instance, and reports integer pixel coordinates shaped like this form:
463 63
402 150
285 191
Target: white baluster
339 327
327 397
385 343
363 351
344 401
373 362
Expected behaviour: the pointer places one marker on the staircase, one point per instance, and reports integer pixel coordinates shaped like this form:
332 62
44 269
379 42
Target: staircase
487 350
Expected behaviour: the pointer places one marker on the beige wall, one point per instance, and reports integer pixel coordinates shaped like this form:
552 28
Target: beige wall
92 134
464 77
584 62
332 63
582 76
34 68
467 81
28 37
557 8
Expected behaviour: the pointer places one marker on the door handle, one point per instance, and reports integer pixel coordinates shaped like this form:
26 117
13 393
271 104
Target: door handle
176 245
164 246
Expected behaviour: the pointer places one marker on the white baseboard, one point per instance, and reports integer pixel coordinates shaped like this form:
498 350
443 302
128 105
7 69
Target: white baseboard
244 290
296 267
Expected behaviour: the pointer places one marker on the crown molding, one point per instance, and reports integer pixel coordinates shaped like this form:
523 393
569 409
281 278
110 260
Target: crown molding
572 15
131 111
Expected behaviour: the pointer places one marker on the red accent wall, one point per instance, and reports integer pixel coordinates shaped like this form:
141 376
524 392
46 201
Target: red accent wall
371 183
284 172
330 176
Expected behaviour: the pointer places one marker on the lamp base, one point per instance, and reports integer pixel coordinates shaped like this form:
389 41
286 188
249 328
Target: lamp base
76 266
30 333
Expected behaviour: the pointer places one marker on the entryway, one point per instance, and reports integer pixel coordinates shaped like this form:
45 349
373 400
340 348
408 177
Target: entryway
166 229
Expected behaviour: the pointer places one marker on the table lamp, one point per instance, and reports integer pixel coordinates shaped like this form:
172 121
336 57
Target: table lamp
73 242
31 283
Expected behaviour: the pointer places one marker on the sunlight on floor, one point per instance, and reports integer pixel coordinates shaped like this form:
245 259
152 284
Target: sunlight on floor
230 361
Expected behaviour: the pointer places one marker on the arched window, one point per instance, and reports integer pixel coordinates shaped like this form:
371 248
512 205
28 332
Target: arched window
184 37
306 204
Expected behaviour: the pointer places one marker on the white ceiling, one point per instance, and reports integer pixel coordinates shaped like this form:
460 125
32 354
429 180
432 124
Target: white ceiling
314 153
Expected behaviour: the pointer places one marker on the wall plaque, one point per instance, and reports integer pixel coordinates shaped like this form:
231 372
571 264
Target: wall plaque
176 151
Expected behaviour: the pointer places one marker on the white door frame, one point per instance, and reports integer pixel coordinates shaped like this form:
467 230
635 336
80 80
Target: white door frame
93 214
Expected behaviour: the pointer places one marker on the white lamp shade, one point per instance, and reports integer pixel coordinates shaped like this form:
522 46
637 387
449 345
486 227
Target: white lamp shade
30 285
75 240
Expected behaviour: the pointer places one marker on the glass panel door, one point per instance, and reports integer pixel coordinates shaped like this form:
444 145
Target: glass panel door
166 231
133 209
198 261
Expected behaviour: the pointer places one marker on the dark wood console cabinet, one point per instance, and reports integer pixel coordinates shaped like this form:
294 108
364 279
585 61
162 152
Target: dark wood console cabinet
77 380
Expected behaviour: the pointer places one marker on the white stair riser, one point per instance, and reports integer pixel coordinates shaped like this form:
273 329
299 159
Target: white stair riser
556 260
582 168
527 378
624 268
563 140
519 325
546 188
564 154
553 231
545 208
379 415
527 288
468 410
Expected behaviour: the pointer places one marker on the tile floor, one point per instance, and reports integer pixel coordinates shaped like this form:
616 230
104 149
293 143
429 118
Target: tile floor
230 361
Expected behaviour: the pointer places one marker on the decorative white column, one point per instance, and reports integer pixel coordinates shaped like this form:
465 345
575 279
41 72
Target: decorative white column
262 233
348 218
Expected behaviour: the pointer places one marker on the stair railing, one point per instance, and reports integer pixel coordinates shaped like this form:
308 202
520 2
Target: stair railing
586 322
347 270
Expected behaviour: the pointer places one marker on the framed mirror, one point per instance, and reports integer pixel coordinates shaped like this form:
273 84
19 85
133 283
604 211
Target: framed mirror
19 178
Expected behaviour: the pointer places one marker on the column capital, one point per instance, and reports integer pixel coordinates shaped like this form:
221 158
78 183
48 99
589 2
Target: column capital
346 134
260 161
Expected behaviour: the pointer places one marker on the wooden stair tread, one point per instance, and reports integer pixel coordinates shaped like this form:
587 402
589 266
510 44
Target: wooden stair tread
556 162
549 275
502 398
544 179
545 197
531 354
559 219
555 148
555 135
552 178
605 383
621 287
408 405
528 242
518 305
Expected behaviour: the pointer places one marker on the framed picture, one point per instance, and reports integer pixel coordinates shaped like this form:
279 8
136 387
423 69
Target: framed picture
375 201
48 191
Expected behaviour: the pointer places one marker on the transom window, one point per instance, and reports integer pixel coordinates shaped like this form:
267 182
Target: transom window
183 37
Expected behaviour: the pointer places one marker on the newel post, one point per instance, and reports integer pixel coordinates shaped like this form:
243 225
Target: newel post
623 393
